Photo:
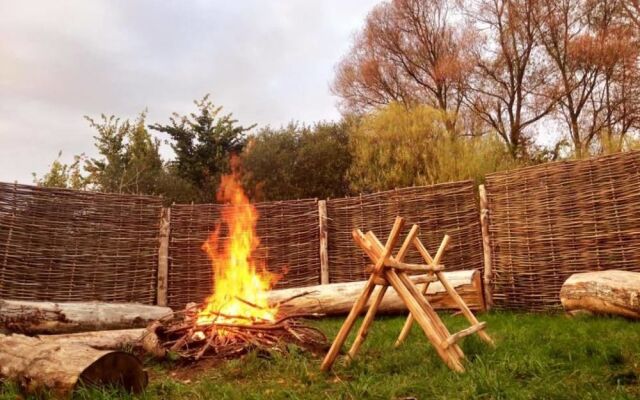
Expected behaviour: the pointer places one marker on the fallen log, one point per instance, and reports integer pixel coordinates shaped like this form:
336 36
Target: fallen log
102 340
603 292
46 367
31 317
338 298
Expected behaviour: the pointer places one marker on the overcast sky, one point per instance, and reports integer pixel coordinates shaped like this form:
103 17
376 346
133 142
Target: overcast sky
267 62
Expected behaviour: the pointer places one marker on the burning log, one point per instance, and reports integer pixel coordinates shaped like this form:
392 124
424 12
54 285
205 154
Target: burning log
603 292
338 298
30 317
47 366
237 317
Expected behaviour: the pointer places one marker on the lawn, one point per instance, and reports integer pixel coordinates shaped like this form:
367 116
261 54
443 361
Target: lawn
538 356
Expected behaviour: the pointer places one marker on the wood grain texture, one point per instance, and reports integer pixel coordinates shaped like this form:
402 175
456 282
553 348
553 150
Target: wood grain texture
31 317
611 292
44 366
338 298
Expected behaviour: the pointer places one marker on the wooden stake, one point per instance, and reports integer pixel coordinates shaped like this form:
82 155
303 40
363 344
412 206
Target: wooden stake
406 328
324 236
163 258
486 246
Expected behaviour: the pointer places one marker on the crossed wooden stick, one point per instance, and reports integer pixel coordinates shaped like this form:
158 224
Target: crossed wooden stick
392 271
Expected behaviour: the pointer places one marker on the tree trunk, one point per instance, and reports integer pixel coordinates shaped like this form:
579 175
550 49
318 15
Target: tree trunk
100 340
338 298
603 292
40 367
30 317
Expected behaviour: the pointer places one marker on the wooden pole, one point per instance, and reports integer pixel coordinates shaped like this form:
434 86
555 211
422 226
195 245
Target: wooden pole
425 323
163 257
406 328
486 246
427 311
373 309
324 238
364 297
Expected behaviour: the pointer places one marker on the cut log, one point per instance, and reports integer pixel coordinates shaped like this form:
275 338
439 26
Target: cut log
40 367
603 292
30 317
102 340
338 298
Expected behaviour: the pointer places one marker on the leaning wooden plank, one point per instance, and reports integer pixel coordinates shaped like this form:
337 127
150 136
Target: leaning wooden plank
337 298
40 367
34 317
603 292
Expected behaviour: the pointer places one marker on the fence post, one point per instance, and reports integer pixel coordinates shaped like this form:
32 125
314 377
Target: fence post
324 255
486 246
163 257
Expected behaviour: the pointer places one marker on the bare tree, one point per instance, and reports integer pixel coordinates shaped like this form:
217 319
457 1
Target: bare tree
508 89
595 68
409 51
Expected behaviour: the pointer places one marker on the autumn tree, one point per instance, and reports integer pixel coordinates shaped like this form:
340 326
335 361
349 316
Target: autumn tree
411 52
595 68
203 142
631 10
508 89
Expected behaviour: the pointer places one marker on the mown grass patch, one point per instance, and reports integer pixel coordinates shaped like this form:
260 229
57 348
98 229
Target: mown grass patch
538 356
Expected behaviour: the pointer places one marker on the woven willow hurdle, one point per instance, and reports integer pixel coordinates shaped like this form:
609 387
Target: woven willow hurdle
449 208
550 221
289 245
71 245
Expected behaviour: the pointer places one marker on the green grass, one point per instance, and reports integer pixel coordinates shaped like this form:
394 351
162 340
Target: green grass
537 357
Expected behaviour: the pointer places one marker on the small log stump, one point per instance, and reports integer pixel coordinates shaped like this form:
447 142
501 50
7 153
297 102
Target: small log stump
39 366
603 292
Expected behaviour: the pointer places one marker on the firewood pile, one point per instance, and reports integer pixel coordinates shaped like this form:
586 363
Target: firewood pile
181 335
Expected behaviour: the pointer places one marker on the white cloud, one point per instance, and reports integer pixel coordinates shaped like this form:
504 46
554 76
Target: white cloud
268 62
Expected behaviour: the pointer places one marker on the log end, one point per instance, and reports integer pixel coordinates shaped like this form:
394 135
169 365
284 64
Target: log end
115 369
612 292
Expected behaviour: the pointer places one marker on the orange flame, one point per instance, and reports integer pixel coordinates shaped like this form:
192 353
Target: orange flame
241 283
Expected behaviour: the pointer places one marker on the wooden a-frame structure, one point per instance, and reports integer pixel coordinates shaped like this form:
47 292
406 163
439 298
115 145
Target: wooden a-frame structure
392 271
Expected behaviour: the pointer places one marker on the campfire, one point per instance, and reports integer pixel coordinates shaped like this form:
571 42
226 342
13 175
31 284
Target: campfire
237 317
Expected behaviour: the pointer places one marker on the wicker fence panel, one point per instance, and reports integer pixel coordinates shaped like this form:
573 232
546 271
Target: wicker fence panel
440 209
289 244
550 221
67 245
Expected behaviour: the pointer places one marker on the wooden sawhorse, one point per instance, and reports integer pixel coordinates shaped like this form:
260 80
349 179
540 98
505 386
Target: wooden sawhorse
392 271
